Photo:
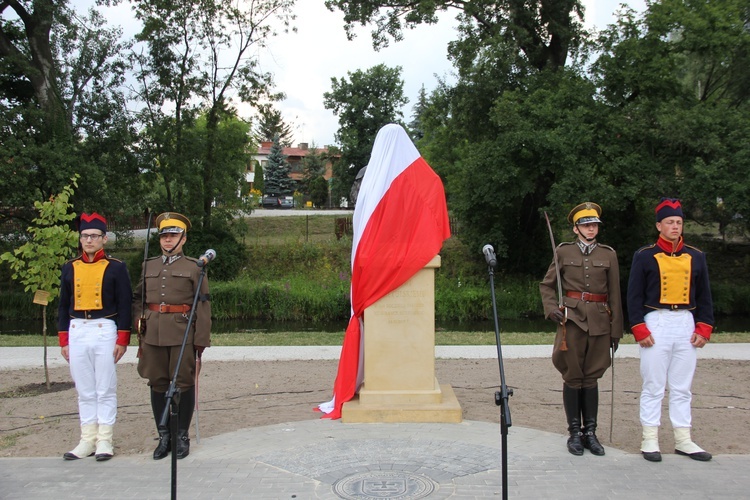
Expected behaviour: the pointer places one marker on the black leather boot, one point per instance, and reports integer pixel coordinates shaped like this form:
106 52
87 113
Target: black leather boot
572 404
158 404
590 409
187 404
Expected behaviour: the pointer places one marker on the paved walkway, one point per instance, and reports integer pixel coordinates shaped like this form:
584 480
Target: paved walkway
324 459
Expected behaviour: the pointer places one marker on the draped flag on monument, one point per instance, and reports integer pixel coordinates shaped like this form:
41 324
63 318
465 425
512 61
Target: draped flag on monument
400 222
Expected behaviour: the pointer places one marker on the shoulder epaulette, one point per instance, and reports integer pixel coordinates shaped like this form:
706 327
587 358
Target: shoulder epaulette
109 257
154 257
694 248
566 243
607 247
74 259
645 248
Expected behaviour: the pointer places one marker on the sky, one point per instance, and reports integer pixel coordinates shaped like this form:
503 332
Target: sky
303 63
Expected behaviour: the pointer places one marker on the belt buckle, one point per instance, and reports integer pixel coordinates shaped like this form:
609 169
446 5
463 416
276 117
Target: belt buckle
162 308
586 296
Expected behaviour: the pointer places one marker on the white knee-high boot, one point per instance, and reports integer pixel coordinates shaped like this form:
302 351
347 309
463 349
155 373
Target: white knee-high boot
684 445
87 444
104 449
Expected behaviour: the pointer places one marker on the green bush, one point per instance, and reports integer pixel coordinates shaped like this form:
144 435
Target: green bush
730 299
294 281
294 299
231 255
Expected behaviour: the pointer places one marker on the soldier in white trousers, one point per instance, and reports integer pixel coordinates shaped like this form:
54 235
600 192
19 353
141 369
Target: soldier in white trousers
94 318
671 316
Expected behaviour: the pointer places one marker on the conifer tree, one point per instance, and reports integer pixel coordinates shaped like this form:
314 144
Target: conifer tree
277 180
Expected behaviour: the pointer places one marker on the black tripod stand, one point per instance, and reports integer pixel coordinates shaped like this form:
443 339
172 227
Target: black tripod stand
501 396
172 409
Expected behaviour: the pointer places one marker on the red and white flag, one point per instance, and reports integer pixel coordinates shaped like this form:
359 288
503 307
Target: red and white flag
400 222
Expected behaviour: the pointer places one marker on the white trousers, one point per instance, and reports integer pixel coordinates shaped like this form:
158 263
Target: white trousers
92 366
670 362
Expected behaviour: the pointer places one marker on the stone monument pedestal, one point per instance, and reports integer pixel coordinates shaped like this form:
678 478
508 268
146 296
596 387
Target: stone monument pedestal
399 361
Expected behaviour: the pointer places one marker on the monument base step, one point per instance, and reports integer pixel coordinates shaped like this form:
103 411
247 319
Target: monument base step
447 411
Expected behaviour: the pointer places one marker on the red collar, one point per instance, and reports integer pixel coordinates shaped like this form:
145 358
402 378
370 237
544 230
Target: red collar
99 255
670 247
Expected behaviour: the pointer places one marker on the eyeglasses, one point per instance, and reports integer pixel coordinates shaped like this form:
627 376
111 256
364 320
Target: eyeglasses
91 237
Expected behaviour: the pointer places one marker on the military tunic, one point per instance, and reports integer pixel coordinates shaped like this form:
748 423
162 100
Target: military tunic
591 324
171 282
674 277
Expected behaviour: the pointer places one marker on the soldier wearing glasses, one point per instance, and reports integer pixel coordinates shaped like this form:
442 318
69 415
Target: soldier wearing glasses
171 280
94 331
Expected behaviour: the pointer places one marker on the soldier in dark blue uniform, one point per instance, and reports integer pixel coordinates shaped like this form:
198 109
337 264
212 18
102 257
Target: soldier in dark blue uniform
671 313
94 331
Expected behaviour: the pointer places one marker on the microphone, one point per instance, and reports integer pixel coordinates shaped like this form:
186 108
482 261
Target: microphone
489 255
207 257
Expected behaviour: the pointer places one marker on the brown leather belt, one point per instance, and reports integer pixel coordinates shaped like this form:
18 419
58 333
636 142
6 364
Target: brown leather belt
588 297
169 308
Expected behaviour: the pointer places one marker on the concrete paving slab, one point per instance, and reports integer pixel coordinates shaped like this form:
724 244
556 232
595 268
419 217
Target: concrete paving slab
324 459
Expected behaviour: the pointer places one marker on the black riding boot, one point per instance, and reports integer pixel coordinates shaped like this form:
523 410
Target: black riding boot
158 404
590 409
572 404
187 404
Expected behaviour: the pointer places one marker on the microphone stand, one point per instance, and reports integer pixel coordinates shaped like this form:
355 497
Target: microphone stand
501 396
172 409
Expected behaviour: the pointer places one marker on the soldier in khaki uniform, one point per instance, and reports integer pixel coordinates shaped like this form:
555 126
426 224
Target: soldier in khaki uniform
589 322
170 284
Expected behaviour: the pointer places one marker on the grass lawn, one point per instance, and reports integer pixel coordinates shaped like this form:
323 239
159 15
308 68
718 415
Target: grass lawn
335 338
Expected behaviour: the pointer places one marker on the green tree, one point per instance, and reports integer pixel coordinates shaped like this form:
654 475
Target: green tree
168 83
319 191
277 180
364 103
670 80
270 124
64 110
313 166
232 143
201 51
27 49
259 183
37 264
544 30
416 129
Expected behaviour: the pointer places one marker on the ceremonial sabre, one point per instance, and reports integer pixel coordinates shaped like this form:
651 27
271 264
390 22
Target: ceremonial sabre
563 343
612 404
141 330
198 363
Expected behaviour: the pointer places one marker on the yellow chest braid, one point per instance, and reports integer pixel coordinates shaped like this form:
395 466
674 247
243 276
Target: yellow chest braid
87 285
675 278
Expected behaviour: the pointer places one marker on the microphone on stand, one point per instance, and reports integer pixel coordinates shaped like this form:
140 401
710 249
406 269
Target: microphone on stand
207 257
489 255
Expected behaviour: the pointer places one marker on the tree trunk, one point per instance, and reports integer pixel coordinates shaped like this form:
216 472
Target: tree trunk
39 65
44 336
212 125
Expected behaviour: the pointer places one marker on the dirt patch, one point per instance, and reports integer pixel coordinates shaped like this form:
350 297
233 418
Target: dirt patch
236 395
30 390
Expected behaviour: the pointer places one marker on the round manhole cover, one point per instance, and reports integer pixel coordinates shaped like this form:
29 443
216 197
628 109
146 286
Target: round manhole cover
384 484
